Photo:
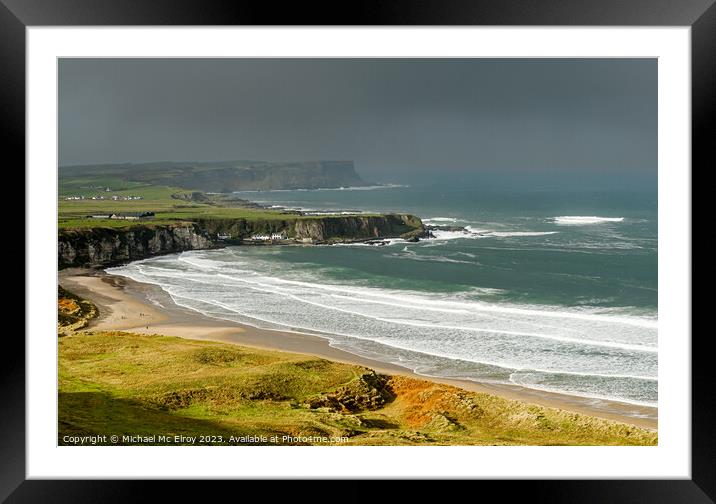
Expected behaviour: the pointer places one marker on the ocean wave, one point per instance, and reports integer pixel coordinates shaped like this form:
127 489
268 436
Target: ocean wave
477 231
442 235
587 389
441 219
474 292
472 232
580 220
418 300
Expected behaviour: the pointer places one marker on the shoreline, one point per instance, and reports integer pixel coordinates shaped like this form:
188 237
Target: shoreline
128 305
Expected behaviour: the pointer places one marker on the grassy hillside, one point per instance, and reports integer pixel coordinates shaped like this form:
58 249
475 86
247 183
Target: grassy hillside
168 204
122 383
174 194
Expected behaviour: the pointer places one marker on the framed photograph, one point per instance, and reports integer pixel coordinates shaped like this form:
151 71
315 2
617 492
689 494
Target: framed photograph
427 242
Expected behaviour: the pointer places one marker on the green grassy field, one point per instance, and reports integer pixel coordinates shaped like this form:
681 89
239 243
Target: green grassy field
164 201
121 383
167 209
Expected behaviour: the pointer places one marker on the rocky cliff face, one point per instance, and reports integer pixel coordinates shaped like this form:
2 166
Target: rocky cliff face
107 246
319 229
356 227
96 247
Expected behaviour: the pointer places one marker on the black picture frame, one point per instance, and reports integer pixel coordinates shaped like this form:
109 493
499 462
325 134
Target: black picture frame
700 15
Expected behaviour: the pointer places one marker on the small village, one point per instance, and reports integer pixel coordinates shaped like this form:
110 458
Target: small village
115 197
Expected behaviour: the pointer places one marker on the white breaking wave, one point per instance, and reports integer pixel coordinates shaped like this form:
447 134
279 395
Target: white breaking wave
579 220
375 243
451 235
421 300
521 379
477 231
440 219
471 232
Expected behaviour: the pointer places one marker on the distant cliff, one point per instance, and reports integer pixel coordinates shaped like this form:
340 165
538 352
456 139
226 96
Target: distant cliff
313 175
96 247
226 176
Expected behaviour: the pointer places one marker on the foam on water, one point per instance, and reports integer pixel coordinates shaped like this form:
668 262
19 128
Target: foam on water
580 220
431 220
472 233
385 242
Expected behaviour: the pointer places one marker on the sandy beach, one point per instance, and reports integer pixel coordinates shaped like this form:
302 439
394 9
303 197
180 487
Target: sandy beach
126 305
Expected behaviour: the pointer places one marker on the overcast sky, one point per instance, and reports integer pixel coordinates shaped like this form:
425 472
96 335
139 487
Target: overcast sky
394 118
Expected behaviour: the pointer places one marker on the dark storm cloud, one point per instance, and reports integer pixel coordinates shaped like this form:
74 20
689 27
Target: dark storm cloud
404 116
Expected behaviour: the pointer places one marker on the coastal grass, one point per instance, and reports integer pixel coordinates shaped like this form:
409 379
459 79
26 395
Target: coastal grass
164 201
123 383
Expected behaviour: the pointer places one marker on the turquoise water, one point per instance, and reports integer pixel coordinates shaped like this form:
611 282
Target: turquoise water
549 290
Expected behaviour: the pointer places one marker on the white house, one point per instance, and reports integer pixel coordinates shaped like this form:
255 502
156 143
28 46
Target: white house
268 237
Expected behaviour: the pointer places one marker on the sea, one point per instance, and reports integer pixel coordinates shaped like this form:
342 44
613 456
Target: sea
550 290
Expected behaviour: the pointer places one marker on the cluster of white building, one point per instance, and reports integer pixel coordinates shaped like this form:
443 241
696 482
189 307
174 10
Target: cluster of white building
126 198
115 198
269 237
124 216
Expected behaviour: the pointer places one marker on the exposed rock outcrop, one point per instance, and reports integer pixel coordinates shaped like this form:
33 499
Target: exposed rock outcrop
73 312
357 227
107 246
326 229
369 391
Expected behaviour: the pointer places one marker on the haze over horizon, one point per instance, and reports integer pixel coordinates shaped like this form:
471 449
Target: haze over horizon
590 122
